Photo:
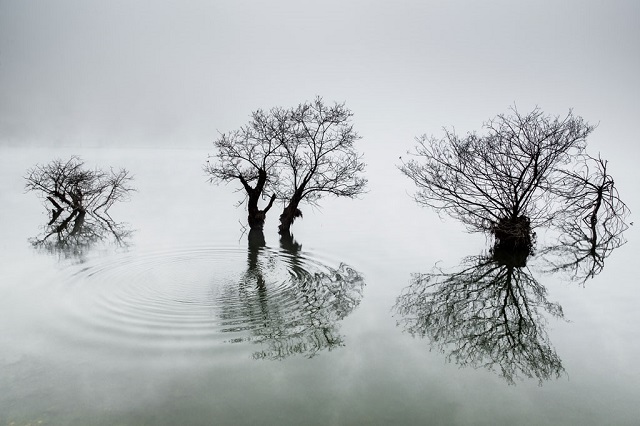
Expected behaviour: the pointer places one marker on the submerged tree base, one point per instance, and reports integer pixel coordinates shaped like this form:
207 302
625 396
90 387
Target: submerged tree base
513 241
288 216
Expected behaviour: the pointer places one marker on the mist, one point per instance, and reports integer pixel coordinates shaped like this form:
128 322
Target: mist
174 74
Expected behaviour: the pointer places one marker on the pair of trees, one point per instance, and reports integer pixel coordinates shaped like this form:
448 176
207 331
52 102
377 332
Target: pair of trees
297 155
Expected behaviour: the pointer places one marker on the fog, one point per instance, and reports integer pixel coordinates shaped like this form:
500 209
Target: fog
165 73
169 329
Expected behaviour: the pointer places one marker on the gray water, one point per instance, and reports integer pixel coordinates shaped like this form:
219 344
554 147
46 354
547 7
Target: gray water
185 322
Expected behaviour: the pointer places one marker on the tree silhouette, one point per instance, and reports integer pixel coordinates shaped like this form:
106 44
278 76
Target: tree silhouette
503 182
319 158
250 156
527 171
299 154
592 223
77 232
81 200
68 185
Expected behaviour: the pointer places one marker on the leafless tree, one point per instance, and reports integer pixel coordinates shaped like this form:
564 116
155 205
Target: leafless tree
499 182
251 155
299 154
68 185
592 223
80 201
486 314
319 158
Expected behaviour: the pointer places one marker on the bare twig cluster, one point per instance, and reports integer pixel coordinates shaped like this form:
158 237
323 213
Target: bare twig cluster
68 185
593 221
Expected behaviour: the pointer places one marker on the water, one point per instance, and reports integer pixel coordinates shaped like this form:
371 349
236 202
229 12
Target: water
189 322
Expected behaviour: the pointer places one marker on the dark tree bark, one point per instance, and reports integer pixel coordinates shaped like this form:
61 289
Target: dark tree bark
318 158
251 156
290 213
256 217
81 199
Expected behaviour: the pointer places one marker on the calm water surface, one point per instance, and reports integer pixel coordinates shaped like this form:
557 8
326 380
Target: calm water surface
192 322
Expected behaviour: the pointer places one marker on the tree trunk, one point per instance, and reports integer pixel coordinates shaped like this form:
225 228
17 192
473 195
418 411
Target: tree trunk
256 217
289 215
78 223
289 244
513 241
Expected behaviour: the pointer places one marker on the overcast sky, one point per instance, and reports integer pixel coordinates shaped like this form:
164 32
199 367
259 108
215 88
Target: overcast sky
174 73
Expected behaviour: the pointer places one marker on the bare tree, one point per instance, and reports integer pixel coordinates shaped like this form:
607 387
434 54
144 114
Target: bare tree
498 182
250 155
68 185
80 200
300 154
319 158
593 220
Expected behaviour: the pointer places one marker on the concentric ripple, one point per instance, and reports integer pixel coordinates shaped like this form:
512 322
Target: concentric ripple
268 302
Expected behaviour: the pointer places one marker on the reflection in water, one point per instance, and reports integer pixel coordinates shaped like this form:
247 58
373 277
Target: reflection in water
488 313
528 172
73 234
80 200
577 254
295 311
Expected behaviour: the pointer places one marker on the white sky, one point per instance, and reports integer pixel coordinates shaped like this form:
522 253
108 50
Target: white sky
173 73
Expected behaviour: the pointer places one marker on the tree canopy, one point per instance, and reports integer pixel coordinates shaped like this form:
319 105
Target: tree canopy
518 175
67 184
318 158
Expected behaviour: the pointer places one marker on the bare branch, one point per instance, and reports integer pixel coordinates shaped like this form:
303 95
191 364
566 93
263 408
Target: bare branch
319 158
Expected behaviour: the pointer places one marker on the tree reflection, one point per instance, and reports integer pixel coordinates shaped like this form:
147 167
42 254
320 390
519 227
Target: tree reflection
73 234
488 313
292 312
526 172
80 200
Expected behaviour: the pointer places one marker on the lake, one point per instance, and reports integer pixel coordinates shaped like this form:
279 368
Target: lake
188 321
